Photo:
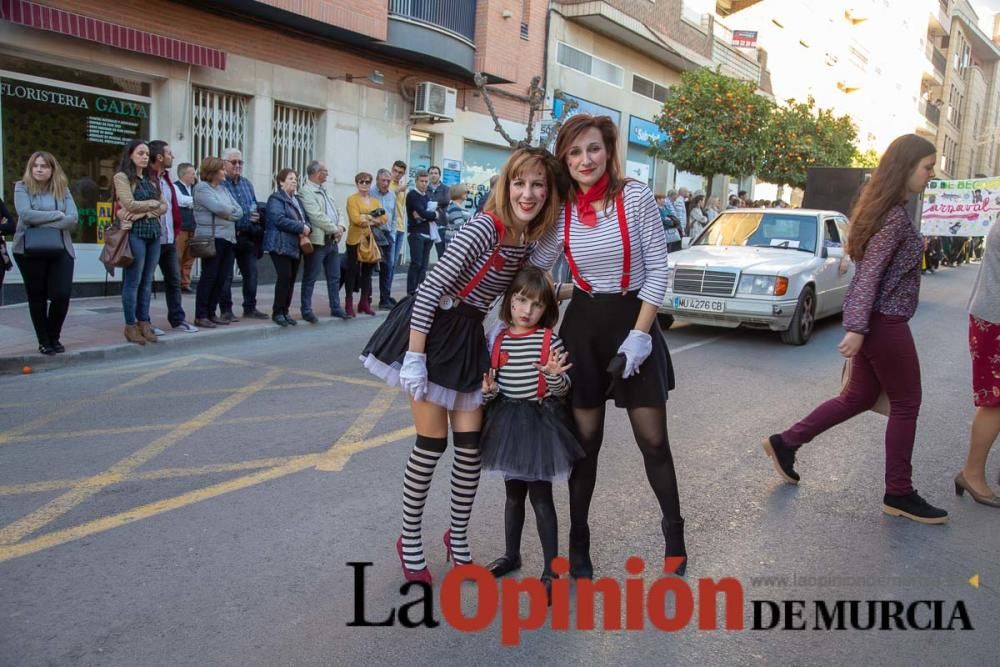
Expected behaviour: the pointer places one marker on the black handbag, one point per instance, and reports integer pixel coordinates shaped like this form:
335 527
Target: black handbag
43 242
203 247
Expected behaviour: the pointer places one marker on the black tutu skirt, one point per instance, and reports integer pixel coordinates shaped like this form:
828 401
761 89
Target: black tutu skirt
456 353
529 440
592 330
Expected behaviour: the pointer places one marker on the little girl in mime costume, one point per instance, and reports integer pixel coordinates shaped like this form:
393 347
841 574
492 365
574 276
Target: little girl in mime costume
434 346
526 436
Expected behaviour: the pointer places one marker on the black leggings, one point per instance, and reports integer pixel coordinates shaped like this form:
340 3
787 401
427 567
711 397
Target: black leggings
48 282
545 519
287 268
358 271
649 426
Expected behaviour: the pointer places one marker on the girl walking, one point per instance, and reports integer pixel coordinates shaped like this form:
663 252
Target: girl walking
526 437
887 251
434 346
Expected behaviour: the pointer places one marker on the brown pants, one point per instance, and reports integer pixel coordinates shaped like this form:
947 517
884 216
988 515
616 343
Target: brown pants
184 257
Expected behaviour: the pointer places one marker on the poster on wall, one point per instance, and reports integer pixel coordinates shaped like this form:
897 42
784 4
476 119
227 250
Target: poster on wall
960 208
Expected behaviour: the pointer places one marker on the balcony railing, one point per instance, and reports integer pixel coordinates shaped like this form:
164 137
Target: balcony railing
931 112
455 17
937 59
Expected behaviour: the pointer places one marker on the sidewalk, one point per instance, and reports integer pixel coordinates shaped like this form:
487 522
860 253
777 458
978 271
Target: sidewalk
93 328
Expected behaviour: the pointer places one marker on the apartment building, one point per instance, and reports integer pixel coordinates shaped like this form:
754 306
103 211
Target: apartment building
357 84
919 66
618 57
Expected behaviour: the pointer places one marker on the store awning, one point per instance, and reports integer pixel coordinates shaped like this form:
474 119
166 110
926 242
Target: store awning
33 15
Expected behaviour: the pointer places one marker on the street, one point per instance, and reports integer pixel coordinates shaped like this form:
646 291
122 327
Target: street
201 509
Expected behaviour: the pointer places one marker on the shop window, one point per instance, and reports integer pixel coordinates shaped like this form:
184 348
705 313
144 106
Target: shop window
421 151
294 138
83 127
480 163
218 121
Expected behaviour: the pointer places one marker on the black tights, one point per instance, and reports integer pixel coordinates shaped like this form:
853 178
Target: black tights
649 426
545 518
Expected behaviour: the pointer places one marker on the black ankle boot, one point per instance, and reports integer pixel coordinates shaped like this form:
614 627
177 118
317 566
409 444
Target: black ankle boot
673 537
580 566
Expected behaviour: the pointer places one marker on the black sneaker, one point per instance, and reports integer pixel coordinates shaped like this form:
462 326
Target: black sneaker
310 318
783 457
912 506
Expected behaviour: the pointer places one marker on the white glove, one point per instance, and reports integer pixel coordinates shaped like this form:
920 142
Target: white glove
637 347
413 375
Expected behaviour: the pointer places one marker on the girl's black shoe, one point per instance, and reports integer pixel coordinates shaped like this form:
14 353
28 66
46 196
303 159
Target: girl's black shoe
580 566
503 566
58 347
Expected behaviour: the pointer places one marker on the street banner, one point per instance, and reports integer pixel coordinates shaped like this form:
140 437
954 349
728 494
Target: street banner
960 208
745 39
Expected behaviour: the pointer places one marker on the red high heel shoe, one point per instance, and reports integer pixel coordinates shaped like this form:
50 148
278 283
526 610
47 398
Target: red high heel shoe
449 555
423 575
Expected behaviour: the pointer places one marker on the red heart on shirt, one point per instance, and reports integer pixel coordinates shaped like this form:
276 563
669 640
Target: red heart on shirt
499 262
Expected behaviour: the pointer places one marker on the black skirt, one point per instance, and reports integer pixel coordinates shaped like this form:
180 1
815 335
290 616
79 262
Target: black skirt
592 330
456 353
529 440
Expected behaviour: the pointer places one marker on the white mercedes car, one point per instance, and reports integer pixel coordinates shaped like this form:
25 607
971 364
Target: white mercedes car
778 269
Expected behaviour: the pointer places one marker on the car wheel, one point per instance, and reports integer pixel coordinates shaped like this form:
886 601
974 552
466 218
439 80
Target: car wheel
666 320
804 321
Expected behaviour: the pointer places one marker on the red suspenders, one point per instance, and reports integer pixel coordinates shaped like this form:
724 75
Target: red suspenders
499 358
626 249
496 260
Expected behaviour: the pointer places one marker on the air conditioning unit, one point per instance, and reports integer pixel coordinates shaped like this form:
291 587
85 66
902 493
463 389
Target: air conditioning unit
434 101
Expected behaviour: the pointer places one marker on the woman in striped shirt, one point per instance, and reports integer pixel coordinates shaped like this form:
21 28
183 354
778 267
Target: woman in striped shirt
611 234
434 346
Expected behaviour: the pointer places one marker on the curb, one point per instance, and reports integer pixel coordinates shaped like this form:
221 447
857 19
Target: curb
166 345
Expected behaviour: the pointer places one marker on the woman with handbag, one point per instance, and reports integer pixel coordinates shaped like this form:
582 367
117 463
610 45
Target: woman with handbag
285 230
43 246
882 297
364 212
214 242
137 192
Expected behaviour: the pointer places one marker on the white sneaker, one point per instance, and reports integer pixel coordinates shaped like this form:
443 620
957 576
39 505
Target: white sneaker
185 328
157 331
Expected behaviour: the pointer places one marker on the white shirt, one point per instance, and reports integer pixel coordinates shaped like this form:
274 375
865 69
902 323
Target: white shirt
167 219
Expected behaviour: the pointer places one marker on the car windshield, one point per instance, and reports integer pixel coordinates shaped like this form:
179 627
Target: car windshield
762 230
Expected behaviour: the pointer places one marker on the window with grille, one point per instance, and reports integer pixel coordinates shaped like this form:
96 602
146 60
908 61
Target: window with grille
294 138
588 64
218 121
647 88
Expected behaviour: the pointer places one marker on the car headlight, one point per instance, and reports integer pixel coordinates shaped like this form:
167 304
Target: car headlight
767 285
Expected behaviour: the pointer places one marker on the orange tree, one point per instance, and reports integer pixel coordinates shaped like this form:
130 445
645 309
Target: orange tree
714 124
800 136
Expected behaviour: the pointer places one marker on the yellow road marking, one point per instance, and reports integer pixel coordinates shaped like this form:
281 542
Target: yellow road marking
347 379
121 430
336 460
57 507
75 406
361 427
65 535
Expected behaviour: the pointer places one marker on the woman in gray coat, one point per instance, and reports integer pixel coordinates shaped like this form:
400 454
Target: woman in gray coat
42 199
215 215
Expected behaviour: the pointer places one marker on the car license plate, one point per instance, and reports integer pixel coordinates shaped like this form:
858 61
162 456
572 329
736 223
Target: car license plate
694 303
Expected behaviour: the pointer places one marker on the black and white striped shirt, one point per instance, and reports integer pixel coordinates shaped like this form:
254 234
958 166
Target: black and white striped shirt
467 253
518 377
598 251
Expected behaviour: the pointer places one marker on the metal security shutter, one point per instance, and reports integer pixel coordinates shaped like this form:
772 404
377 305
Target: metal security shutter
294 137
219 121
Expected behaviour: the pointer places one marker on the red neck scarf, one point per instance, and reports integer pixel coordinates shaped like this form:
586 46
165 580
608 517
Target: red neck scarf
584 201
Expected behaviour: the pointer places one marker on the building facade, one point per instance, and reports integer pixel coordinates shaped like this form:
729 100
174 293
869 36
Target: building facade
357 85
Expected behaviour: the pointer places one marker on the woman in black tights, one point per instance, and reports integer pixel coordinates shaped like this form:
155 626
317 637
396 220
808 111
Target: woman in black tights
611 234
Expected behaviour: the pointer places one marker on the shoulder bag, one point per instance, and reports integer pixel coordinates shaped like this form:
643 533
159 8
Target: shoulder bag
43 242
881 403
203 247
368 250
117 252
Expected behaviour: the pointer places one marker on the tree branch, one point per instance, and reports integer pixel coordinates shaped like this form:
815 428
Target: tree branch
481 85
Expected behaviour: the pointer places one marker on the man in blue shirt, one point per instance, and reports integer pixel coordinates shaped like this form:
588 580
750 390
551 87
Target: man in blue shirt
249 232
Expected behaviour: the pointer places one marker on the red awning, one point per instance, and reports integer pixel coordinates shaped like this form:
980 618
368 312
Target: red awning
38 16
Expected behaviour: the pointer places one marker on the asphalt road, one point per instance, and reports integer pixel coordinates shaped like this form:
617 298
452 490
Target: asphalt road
201 509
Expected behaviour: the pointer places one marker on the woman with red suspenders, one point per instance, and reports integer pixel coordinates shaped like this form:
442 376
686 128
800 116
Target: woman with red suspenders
434 346
613 240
